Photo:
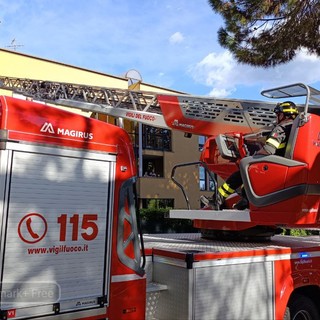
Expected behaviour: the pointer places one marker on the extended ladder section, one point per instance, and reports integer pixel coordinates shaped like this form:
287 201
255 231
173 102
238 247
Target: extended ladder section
138 106
193 114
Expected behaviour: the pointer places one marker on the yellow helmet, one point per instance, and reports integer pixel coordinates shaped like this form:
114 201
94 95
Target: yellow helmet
288 108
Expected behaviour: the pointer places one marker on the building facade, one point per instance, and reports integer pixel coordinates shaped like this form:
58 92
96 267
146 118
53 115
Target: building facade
157 150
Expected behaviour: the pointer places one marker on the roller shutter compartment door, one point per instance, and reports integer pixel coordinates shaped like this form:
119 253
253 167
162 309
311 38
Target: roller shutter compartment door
56 236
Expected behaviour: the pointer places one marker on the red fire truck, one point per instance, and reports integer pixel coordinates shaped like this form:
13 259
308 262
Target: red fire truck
70 241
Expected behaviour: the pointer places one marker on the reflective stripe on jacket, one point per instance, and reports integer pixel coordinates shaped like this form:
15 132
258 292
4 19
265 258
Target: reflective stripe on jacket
277 140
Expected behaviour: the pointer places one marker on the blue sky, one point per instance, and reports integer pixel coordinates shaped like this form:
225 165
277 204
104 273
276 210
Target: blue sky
172 44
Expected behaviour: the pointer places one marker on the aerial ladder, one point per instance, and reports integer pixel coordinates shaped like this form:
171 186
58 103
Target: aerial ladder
283 192
144 107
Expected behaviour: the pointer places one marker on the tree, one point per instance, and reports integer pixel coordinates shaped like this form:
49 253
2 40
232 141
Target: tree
268 32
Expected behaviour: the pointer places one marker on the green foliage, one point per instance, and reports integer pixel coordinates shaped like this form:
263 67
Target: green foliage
155 220
299 232
267 33
153 204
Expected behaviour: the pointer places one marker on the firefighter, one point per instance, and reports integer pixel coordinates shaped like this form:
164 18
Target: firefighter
275 144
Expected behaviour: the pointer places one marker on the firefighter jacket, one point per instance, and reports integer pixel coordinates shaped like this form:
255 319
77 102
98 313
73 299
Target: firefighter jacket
276 141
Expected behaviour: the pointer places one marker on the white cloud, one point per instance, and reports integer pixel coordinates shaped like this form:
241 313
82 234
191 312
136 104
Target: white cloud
221 93
221 73
177 37
214 71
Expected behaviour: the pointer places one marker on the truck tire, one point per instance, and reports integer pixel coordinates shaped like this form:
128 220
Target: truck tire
301 308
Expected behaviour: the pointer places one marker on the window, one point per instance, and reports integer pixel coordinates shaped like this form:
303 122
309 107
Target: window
205 181
202 141
157 203
153 166
155 138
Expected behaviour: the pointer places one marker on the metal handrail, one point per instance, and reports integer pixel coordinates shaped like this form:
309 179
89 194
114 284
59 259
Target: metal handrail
203 164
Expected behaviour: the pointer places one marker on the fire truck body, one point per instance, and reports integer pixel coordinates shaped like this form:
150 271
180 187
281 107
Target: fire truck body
67 197
204 279
69 225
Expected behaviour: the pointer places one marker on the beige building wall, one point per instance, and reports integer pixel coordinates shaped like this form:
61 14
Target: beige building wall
18 65
14 64
184 150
